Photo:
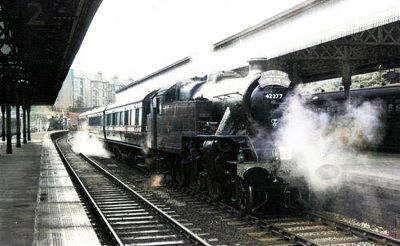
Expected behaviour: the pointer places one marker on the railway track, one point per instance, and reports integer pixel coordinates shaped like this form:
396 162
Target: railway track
305 228
125 215
308 228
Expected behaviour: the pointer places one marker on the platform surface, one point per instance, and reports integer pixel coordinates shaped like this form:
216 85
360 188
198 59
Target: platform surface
375 168
38 203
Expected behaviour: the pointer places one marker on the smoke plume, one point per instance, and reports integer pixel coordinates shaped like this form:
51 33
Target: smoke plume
321 143
83 143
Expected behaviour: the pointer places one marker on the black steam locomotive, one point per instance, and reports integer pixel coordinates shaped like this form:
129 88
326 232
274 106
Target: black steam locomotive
210 133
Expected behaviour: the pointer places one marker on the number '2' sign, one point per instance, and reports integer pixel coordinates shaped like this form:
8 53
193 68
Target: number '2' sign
35 19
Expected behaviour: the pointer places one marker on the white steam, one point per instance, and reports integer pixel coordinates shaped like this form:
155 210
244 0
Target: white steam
83 143
319 144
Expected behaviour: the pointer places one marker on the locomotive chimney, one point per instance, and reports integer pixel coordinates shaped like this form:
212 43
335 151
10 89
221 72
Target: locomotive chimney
257 65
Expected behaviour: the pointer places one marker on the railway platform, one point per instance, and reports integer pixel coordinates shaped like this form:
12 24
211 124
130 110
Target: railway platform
374 169
38 203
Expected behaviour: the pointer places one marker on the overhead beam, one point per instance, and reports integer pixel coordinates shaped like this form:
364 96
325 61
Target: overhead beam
291 12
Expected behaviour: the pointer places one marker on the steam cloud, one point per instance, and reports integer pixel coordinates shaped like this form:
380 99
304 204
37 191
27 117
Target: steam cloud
83 143
320 144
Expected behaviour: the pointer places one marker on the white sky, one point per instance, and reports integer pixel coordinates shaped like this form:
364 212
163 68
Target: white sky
134 38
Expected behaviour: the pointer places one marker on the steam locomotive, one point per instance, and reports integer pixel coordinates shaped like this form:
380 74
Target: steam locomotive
214 133
210 133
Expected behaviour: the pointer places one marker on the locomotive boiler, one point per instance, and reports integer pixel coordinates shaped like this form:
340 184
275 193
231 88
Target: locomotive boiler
210 133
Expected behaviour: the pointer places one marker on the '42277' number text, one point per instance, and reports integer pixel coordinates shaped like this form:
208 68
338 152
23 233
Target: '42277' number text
274 96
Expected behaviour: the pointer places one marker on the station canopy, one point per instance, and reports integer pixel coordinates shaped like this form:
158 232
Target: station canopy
38 42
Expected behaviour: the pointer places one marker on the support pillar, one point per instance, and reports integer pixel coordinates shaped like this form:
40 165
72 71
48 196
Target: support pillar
346 80
3 123
18 116
8 116
24 124
28 112
294 76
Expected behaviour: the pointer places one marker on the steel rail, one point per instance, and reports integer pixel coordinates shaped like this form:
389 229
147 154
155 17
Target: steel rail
358 231
195 238
87 194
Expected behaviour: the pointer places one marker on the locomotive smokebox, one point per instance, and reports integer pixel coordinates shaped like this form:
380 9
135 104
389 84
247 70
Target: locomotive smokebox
266 95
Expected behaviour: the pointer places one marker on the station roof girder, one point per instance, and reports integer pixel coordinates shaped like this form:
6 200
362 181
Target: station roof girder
366 51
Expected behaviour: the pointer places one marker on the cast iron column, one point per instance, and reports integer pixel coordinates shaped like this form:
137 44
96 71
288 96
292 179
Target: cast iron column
28 112
24 124
3 123
18 145
9 146
346 80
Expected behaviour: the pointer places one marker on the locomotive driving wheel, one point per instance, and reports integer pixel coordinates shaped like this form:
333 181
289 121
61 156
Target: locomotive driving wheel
214 188
245 197
180 175
197 183
197 180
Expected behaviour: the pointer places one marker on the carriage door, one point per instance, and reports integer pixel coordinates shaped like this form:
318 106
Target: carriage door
152 122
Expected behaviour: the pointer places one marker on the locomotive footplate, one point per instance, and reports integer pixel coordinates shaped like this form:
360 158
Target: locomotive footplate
243 167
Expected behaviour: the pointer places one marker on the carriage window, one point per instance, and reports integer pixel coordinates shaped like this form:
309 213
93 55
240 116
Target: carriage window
95 121
114 119
158 105
126 117
136 116
397 110
390 108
